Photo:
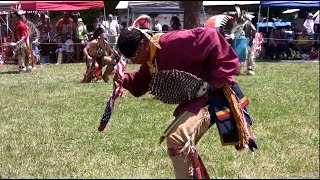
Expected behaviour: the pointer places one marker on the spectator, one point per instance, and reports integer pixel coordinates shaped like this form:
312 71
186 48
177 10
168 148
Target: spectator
44 29
112 30
157 26
66 47
298 23
317 28
81 31
309 24
75 16
33 39
66 26
279 44
303 44
165 28
82 37
98 21
175 23
122 26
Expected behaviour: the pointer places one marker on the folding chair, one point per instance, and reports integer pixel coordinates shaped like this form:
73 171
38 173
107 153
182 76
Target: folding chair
70 51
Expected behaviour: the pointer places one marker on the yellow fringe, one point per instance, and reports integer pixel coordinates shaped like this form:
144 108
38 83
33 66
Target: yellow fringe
236 111
153 69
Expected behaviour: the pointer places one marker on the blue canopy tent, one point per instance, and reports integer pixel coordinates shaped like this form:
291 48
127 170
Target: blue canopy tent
303 4
290 3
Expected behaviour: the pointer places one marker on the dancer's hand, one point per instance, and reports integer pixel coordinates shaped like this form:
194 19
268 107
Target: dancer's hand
115 58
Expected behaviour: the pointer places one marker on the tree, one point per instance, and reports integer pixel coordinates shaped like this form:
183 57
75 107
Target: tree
191 16
110 7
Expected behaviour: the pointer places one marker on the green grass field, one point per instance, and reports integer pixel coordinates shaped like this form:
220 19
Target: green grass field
49 126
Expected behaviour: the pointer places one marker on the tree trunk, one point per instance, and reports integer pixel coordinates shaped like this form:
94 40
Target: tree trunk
191 17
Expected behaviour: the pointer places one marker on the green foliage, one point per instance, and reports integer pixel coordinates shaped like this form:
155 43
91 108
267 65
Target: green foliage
49 126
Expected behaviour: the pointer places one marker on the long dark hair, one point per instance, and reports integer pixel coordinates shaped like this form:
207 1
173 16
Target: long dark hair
175 23
97 33
16 14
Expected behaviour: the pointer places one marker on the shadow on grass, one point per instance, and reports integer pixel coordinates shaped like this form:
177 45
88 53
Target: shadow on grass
10 72
268 60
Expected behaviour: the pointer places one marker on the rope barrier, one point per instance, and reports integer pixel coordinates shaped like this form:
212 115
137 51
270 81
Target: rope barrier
72 44
292 39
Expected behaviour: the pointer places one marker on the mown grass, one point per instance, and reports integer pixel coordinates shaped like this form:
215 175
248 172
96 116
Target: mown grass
49 126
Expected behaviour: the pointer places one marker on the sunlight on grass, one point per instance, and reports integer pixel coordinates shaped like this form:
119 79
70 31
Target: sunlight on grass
49 127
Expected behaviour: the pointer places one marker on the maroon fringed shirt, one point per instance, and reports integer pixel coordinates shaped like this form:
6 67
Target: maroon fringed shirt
200 51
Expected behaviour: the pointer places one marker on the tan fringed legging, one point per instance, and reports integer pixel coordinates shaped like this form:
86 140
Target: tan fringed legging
184 136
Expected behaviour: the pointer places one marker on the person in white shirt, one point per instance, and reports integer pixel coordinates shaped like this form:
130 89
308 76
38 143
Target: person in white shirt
309 24
66 47
112 30
157 26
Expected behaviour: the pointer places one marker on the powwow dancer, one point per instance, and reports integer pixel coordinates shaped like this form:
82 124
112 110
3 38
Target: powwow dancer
21 37
250 33
32 41
98 53
205 57
237 25
253 52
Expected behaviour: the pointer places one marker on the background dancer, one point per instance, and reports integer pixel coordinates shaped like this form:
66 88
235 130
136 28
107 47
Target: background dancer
98 53
20 37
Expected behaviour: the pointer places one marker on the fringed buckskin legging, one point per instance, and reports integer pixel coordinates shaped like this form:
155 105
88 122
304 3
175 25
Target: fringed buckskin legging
182 139
24 56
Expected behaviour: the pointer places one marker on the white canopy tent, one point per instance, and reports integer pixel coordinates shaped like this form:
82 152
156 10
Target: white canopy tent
147 4
5 6
150 7
232 3
228 3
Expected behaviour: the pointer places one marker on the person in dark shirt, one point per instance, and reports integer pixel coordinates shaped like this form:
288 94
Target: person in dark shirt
279 43
175 23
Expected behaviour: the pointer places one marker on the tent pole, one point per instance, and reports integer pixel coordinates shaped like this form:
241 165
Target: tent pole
128 17
104 13
268 19
48 16
259 16
7 18
204 12
2 54
2 50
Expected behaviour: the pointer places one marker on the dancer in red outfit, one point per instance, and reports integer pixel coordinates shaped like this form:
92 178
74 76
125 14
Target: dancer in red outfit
21 38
